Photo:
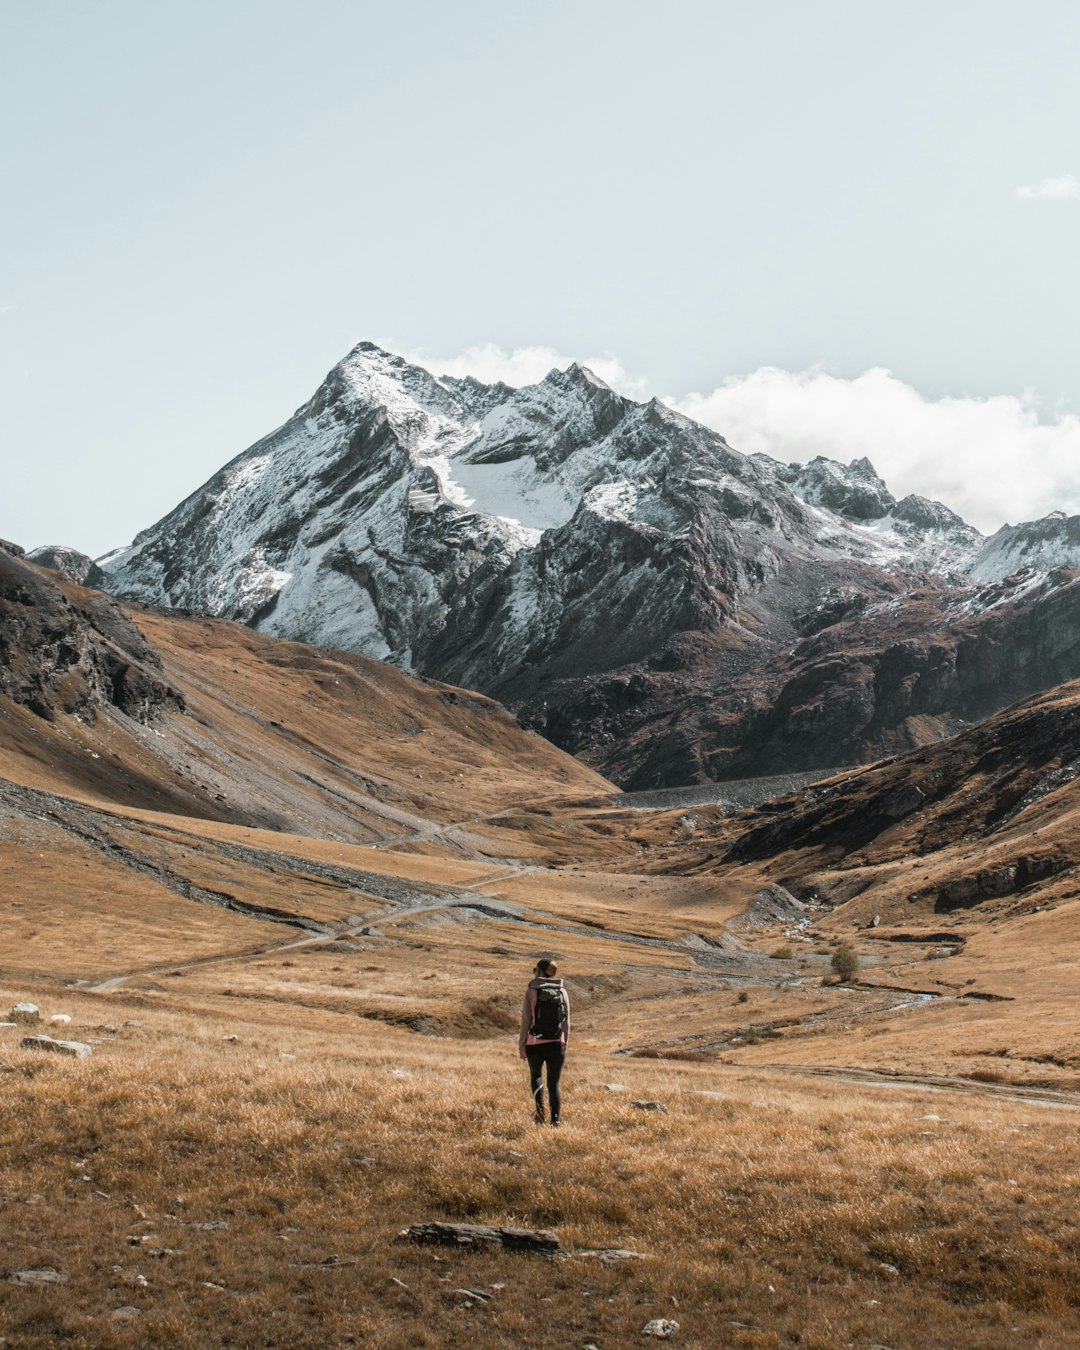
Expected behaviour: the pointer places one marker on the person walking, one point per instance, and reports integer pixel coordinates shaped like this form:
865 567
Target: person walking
545 1031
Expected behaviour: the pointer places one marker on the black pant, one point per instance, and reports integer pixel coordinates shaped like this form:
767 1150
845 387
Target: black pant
553 1054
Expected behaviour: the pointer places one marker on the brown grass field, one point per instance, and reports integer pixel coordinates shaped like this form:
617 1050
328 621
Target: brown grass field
295 923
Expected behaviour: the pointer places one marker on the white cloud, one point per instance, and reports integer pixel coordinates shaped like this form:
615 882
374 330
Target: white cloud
992 460
1064 186
524 365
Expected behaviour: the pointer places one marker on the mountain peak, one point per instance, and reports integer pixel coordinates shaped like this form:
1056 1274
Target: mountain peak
576 376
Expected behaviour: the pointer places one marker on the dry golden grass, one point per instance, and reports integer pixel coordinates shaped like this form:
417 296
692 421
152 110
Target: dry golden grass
773 1214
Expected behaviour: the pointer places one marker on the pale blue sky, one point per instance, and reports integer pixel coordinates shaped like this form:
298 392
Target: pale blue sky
204 205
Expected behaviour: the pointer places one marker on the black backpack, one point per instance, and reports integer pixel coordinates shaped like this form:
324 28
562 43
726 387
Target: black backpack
550 1012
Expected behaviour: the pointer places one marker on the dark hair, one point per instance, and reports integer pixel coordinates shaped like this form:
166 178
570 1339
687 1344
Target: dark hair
545 966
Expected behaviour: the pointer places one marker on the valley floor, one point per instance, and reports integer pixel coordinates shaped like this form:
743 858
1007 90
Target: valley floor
300 1048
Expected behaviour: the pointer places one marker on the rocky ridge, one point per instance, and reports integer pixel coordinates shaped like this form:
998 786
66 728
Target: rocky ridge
68 650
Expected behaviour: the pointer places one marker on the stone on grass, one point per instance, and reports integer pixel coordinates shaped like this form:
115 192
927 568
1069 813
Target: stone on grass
63 1019
650 1106
46 1275
663 1328
8 1026
75 1049
126 1314
24 1013
615 1087
611 1255
540 1241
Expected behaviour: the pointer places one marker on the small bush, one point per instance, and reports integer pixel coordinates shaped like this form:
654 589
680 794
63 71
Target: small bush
782 954
845 963
744 997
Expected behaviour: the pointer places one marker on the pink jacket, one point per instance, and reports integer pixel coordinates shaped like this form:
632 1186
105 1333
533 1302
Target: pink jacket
528 1012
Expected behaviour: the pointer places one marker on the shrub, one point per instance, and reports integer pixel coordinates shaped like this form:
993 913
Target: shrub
782 954
844 963
744 997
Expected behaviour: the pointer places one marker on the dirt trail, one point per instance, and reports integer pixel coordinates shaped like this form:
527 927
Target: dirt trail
930 1082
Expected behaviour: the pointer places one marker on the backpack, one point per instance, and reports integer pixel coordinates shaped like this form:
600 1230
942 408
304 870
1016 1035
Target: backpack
550 1013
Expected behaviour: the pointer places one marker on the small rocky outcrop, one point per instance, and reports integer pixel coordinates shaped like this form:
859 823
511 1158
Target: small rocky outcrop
768 907
67 650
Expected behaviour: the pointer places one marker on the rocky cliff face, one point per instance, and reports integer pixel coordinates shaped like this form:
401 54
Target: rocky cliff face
624 579
72 651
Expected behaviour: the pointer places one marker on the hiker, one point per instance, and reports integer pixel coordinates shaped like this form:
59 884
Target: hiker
545 1030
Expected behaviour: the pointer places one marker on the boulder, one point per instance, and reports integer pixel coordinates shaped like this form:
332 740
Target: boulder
46 1275
75 1049
26 1013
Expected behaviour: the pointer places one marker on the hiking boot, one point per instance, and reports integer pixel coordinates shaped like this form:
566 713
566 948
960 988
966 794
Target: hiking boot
539 1117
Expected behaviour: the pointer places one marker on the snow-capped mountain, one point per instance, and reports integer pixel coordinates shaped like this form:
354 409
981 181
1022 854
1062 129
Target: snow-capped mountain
588 559
1041 545
395 507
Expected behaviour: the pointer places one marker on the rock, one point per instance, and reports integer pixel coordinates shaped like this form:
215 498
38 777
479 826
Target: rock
611 1255
46 1275
62 1019
8 1026
644 1105
126 1314
539 1241
75 1049
25 1013
663 1328
887 1269
615 1087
